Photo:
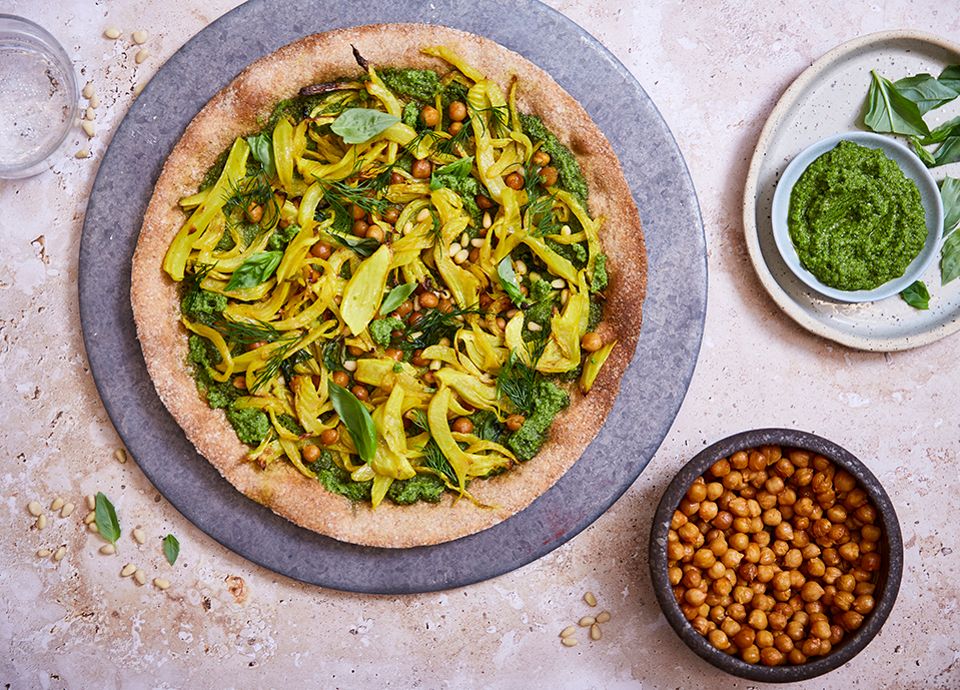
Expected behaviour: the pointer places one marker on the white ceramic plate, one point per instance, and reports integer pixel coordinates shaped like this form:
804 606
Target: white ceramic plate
827 99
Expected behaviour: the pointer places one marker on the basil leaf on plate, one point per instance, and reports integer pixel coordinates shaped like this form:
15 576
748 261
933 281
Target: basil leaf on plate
928 92
508 281
939 134
255 270
106 517
358 125
171 548
364 246
917 295
459 169
396 297
951 77
922 153
886 110
356 418
950 252
949 150
261 148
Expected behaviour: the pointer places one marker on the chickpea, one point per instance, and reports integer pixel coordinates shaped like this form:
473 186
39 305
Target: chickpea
863 604
750 654
421 169
592 342
719 639
540 158
514 181
549 176
454 128
375 232
708 511
360 391
870 562
457 111
310 453
483 202
393 353
429 116
695 597
771 656
329 437
851 620
391 215
360 228
341 378
429 300
462 425
397 178
515 421
321 250
764 639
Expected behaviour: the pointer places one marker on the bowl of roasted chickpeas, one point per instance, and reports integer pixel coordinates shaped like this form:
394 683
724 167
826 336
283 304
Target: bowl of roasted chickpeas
776 555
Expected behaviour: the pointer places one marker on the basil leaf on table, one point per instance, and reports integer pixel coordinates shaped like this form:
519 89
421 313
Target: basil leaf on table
396 297
261 148
255 270
950 252
356 418
917 295
886 110
106 517
928 92
358 125
508 281
171 548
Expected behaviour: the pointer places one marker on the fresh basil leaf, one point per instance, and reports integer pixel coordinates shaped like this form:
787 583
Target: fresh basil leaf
886 110
396 297
950 251
949 151
951 77
922 153
459 169
261 148
947 129
928 92
356 418
255 270
508 281
359 125
917 295
171 548
364 246
106 516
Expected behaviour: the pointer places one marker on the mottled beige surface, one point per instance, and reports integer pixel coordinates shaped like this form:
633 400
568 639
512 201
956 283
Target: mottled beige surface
715 70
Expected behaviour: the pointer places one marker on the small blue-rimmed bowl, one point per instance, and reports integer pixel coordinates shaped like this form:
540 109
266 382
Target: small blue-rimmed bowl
911 166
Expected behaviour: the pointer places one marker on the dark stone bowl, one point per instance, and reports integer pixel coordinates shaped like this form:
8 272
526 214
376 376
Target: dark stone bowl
888 584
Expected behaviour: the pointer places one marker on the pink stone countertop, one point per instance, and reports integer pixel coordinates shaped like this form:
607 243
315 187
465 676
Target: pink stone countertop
715 69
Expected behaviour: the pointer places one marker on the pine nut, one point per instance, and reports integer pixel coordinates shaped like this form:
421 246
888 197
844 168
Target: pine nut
94 100
67 510
93 528
415 335
534 276
565 230
461 256
128 570
534 326
88 128
603 617
350 365
160 583
57 504
476 242
595 633
569 641
568 631
60 553
141 55
113 33
520 267
586 621
435 365
464 240
138 535
90 114
121 455
564 296
487 220
139 37
108 549
423 215
138 89
590 599
35 508
407 227
559 284
91 501
41 521
139 576
454 249
91 516
43 553
87 90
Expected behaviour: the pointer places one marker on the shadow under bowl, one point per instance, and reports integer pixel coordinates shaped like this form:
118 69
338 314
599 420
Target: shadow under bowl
888 583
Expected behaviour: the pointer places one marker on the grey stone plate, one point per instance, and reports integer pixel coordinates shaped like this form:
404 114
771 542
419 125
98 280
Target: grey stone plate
653 387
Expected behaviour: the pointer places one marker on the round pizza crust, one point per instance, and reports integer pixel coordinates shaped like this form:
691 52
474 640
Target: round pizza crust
239 109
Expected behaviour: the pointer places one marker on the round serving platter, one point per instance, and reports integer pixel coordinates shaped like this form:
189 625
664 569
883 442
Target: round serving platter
826 99
652 389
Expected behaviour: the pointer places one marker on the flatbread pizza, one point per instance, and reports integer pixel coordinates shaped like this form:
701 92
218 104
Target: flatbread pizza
389 281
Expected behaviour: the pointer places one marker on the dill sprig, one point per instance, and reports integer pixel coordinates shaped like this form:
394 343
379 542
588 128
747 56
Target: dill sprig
432 326
273 365
542 217
499 116
247 332
518 381
340 194
434 458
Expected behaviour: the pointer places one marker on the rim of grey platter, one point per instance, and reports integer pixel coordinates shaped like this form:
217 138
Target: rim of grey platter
652 388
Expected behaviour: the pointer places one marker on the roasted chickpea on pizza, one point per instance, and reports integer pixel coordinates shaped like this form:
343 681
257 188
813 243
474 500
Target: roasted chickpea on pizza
408 279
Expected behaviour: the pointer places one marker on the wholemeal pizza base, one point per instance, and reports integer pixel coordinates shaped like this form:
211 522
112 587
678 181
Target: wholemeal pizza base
240 109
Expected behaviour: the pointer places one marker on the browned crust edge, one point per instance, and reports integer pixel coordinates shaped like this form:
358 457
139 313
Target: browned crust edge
236 110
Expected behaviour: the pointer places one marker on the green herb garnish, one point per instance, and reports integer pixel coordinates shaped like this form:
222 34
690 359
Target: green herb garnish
886 110
396 297
261 148
917 295
508 281
356 418
255 270
106 517
359 125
